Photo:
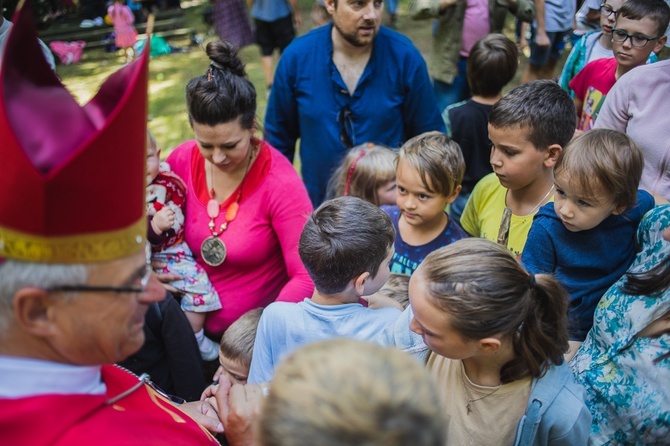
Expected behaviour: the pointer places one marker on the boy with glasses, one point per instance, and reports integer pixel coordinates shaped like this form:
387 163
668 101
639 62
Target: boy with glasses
595 45
638 31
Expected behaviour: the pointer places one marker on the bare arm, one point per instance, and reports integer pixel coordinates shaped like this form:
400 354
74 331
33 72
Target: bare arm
541 39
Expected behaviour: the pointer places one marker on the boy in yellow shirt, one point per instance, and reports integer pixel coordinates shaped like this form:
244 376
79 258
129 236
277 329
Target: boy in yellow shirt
528 129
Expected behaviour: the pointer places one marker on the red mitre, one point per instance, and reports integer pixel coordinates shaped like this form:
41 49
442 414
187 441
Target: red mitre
72 179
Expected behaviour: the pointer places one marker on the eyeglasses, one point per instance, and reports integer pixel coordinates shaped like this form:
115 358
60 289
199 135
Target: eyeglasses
137 290
347 135
637 40
607 10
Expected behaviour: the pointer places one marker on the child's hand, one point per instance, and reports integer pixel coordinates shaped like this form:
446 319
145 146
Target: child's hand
217 375
163 220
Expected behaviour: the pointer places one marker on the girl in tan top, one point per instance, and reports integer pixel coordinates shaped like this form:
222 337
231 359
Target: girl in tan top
496 336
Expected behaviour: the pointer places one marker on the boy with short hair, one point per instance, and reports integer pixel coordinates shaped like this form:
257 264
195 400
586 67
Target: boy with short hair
428 178
528 129
638 31
587 237
492 64
237 346
346 247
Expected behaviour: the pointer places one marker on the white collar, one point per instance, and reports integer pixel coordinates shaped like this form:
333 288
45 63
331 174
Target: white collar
24 377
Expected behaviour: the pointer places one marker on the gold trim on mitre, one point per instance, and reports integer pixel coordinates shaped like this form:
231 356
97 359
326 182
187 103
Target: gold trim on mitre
97 247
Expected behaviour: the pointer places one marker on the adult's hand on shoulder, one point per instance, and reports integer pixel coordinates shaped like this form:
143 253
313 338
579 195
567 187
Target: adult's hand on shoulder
238 406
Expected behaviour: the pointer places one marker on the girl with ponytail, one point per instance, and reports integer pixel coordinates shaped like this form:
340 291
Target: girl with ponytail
493 337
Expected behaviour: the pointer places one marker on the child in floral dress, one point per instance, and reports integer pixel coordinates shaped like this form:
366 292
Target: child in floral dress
166 201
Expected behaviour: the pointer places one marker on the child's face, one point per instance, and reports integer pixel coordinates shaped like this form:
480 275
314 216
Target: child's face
153 161
629 56
433 323
387 193
607 21
420 208
233 369
579 212
516 161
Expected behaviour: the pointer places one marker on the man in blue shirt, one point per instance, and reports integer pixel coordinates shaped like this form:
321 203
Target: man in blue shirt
345 84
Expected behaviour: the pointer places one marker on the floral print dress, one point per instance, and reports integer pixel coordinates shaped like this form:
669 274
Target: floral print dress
628 393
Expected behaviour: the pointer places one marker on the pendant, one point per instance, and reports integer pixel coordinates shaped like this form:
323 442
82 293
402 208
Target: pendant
213 251
469 408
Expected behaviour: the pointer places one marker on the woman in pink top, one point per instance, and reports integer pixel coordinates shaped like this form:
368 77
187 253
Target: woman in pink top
246 206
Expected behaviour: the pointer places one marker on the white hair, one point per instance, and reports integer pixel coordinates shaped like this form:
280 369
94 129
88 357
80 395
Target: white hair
16 274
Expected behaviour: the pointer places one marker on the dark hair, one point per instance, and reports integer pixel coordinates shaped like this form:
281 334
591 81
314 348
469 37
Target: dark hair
492 63
656 10
541 107
648 283
604 164
487 292
224 93
344 238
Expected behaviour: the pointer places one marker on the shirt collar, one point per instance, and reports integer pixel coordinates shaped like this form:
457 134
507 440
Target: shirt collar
24 377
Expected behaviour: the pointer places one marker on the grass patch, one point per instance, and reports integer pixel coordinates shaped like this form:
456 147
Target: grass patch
170 73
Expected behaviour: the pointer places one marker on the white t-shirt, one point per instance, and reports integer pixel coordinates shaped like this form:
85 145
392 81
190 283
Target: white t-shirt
599 52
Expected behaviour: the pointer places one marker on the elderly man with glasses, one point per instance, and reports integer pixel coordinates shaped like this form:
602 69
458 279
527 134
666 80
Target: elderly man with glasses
74 280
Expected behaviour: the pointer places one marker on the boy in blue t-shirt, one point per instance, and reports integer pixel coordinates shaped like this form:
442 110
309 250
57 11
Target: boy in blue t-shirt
428 177
346 247
586 238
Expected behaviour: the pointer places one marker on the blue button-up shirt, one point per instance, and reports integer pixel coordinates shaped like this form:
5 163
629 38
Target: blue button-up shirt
392 102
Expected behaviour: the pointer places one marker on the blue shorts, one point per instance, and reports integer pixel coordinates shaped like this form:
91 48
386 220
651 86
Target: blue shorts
541 56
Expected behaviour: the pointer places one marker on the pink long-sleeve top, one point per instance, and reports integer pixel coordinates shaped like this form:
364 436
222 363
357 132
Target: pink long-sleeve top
262 264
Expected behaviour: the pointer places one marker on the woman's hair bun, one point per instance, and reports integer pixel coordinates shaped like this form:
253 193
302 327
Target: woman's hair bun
223 55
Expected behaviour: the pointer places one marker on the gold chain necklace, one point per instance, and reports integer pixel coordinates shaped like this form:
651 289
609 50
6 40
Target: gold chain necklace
506 220
468 405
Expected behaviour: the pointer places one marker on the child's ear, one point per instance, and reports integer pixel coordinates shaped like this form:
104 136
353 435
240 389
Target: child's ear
619 210
490 345
660 43
360 281
551 155
454 196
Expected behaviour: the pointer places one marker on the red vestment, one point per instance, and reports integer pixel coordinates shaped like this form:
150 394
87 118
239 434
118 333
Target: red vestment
144 417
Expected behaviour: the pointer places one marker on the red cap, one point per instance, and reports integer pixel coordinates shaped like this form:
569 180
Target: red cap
72 179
